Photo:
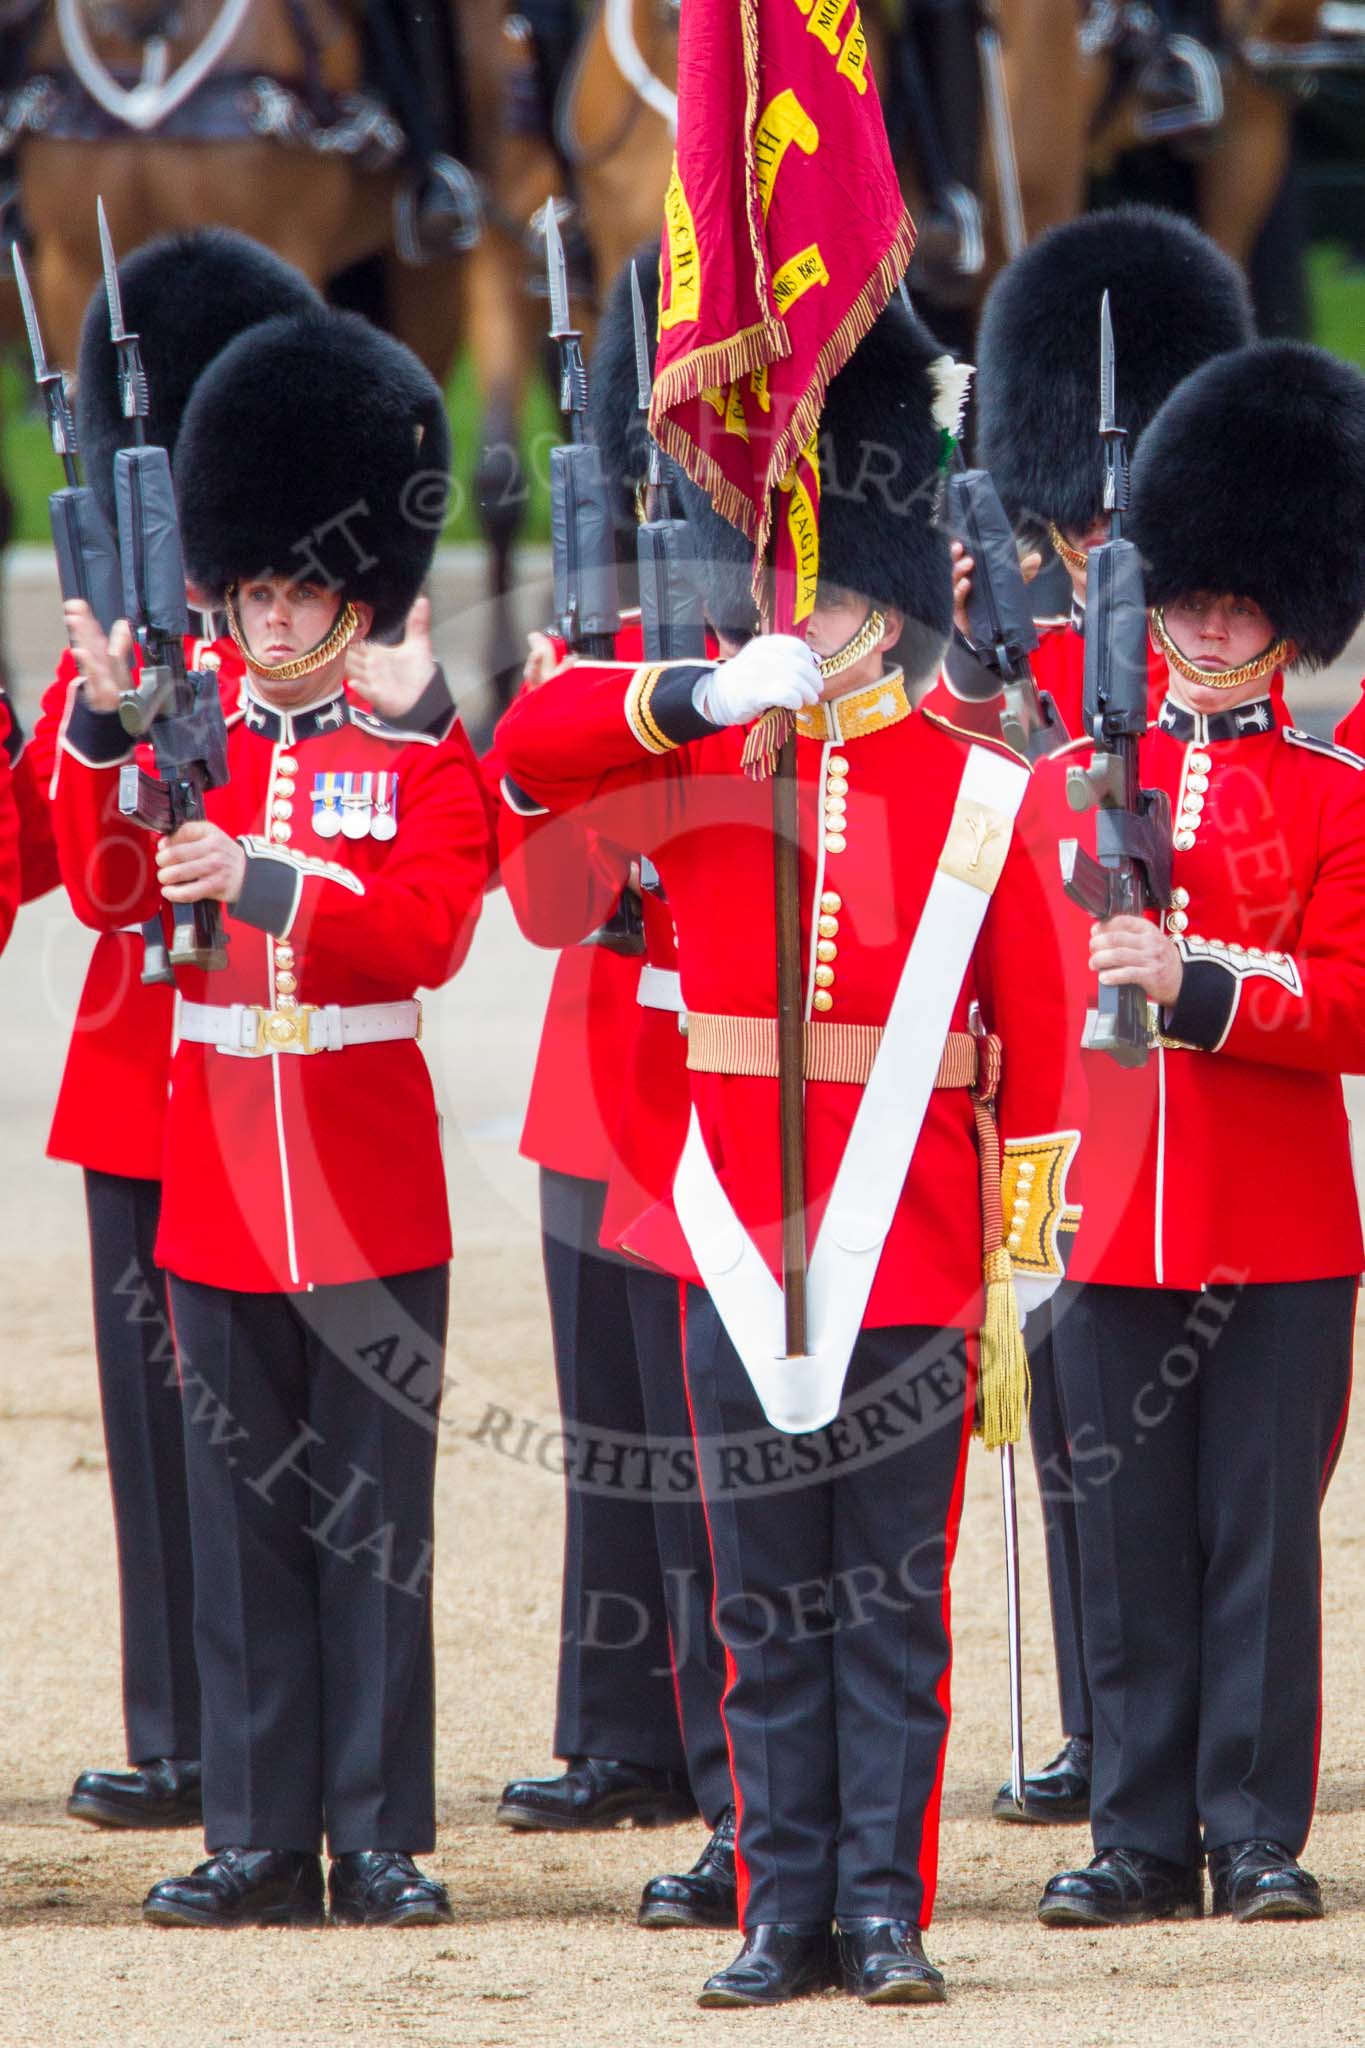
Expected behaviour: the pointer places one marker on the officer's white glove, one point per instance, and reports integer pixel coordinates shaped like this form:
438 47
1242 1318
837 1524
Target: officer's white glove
775 670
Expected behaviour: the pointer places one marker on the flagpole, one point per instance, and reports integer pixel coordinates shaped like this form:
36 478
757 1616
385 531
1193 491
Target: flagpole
790 1046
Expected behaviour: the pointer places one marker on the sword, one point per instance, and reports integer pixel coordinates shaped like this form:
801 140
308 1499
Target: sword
1010 1506
998 122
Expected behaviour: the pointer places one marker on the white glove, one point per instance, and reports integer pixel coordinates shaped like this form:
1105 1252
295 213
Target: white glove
775 669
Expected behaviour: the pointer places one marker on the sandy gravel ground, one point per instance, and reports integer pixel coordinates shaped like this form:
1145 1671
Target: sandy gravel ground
544 1950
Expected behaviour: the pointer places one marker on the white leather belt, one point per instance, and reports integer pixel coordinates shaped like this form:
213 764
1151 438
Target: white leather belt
248 1029
660 989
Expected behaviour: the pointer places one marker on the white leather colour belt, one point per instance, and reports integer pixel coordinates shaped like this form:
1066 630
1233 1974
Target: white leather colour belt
248 1029
660 989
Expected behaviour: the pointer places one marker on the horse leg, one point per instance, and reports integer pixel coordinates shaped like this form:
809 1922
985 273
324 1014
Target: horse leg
1050 95
1240 177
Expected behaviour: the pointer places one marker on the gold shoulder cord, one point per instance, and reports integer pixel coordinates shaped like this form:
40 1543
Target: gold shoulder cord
341 636
1219 678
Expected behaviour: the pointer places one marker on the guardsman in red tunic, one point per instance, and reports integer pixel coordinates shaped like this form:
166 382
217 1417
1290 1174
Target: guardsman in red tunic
1176 300
187 295
1204 1334
636 1741
833 1483
304 1223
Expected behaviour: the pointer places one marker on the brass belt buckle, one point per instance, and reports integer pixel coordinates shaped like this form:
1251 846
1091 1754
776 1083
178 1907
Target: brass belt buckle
283 1030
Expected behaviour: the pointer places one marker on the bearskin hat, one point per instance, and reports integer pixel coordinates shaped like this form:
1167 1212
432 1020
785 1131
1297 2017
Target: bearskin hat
725 558
1251 480
881 445
1175 299
614 416
316 445
186 296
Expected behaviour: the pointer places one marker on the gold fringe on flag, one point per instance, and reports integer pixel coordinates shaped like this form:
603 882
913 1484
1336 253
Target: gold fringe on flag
765 741
1005 1386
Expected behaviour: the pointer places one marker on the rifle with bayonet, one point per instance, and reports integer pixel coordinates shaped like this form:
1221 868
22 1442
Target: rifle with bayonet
178 709
672 609
1001 632
1133 829
582 531
87 560
583 540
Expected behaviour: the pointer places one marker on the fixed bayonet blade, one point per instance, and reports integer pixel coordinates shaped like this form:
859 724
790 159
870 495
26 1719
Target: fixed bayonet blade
643 380
132 379
1108 373
35 336
557 274
117 330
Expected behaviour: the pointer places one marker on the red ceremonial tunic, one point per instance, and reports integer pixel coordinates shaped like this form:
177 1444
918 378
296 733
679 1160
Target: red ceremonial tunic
1351 731
1228 1154
292 1170
628 752
111 1107
1058 664
28 773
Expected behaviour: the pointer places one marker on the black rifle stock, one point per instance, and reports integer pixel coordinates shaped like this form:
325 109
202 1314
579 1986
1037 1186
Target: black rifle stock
1133 829
1001 631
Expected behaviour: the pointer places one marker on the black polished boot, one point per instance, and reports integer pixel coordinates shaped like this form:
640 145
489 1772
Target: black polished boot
704 1896
1260 1880
384 1888
779 1961
1119 1887
163 1793
1060 1792
241 1888
883 1963
598 1792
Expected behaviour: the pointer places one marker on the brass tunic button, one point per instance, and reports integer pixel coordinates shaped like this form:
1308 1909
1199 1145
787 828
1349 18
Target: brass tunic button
826 950
286 1002
286 983
284 955
1177 921
1192 801
1184 841
824 977
823 1000
281 832
835 806
837 764
830 902
827 927
281 808
1180 898
286 766
835 842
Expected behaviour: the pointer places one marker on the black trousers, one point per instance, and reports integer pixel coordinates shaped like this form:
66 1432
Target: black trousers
1219 1416
680 1532
144 1442
1057 1492
310 1432
615 1694
832 1553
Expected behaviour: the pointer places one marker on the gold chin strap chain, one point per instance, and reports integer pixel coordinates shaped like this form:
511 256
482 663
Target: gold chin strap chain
1218 678
1075 558
853 651
341 636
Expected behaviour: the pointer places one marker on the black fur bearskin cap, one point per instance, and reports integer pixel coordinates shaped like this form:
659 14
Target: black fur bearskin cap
186 296
614 416
1251 481
316 446
1175 299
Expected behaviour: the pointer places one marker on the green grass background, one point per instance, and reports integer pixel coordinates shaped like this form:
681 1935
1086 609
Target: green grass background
1338 300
